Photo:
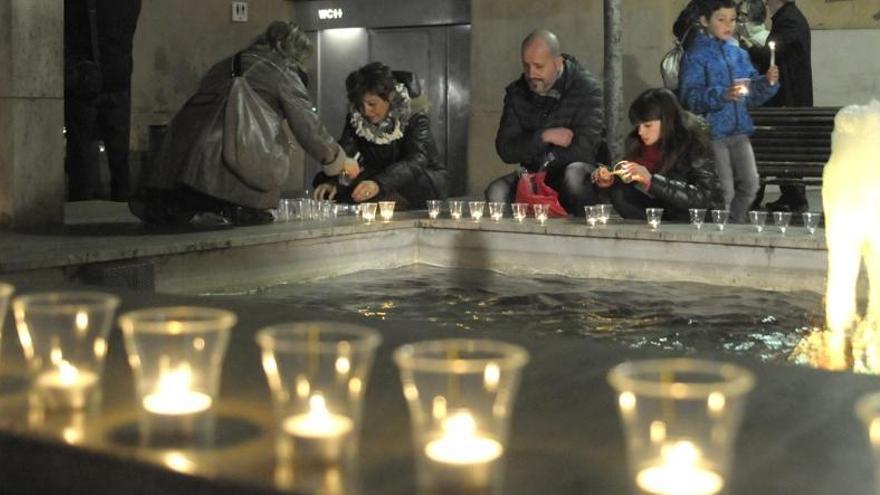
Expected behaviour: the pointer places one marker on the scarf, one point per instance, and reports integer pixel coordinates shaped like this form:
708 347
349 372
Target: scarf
390 129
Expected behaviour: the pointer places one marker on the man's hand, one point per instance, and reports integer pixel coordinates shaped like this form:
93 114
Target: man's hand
602 177
327 190
560 136
773 75
351 168
365 191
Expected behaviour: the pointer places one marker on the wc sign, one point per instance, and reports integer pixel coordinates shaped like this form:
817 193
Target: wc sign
329 14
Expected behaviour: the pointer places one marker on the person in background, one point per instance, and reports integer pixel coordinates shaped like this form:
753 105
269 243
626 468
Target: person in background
191 182
790 30
389 129
718 82
669 161
106 114
552 117
751 27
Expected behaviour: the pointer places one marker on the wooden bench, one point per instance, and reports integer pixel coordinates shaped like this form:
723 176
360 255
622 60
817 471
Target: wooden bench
791 145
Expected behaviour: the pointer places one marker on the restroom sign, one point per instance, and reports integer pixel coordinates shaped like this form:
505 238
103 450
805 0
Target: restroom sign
328 14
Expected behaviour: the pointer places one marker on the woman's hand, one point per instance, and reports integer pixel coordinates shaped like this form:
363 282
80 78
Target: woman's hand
773 75
602 177
351 168
327 191
365 191
636 173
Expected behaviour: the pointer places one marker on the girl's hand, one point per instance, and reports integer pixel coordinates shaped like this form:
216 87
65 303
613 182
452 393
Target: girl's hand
734 93
637 173
365 191
602 177
773 75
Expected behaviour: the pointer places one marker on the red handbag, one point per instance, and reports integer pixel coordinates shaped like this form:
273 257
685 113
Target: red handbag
532 189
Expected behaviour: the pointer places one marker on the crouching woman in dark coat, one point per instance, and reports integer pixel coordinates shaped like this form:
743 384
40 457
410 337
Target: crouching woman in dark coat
668 162
389 130
191 178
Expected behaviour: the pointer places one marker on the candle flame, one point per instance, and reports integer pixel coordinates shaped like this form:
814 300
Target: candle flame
67 373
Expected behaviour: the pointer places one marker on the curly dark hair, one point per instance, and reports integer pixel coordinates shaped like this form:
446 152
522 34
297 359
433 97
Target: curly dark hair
708 7
375 78
683 136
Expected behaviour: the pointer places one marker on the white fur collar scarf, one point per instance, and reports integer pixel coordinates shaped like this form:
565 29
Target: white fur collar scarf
391 129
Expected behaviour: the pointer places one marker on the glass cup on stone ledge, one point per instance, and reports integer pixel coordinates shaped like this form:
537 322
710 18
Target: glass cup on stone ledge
811 221
386 210
542 212
434 206
64 338
455 208
604 213
654 217
698 216
176 356
680 417
592 215
368 212
520 211
496 210
476 209
318 373
719 218
460 394
781 219
758 219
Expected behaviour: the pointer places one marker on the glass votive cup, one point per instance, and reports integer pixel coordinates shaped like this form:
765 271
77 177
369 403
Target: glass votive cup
64 338
6 291
541 211
476 209
434 206
520 211
455 208
698 216
654 217
758 219
781 219
318 373
719 218
176 356
680 418
592 215
460 394
368 212
496 210
386 210
811 221
285 210
604 213
327 209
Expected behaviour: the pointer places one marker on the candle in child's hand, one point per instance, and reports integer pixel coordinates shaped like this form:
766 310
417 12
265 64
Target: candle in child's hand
772 45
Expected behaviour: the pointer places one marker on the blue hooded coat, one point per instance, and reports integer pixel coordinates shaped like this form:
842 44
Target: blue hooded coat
708 68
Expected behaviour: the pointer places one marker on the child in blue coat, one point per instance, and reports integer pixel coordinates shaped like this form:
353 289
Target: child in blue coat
719 82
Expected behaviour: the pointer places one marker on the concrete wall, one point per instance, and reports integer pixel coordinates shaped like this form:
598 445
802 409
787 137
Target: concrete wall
844 80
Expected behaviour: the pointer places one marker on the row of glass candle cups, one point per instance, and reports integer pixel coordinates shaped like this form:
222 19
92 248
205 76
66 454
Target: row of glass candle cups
680 415
757 219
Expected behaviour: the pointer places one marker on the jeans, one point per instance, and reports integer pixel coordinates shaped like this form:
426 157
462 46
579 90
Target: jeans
738 173
575 190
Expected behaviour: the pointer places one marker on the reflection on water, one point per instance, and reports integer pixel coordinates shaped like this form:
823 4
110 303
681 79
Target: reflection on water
674 315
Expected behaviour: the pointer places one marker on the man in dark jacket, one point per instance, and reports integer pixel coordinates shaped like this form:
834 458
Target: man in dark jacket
552 117
106 115
791 32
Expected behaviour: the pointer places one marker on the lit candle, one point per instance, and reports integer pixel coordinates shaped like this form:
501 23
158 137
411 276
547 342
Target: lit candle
66 385
173 395
67 377
460 444
679 473
772 46
318 423
386 210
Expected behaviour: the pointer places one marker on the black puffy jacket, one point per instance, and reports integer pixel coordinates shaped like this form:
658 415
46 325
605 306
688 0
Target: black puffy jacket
407 168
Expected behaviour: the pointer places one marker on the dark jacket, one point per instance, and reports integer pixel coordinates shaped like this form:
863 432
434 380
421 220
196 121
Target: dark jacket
687 24
574 102
192 151
690 182
408 167
116 21
708 68
791 32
